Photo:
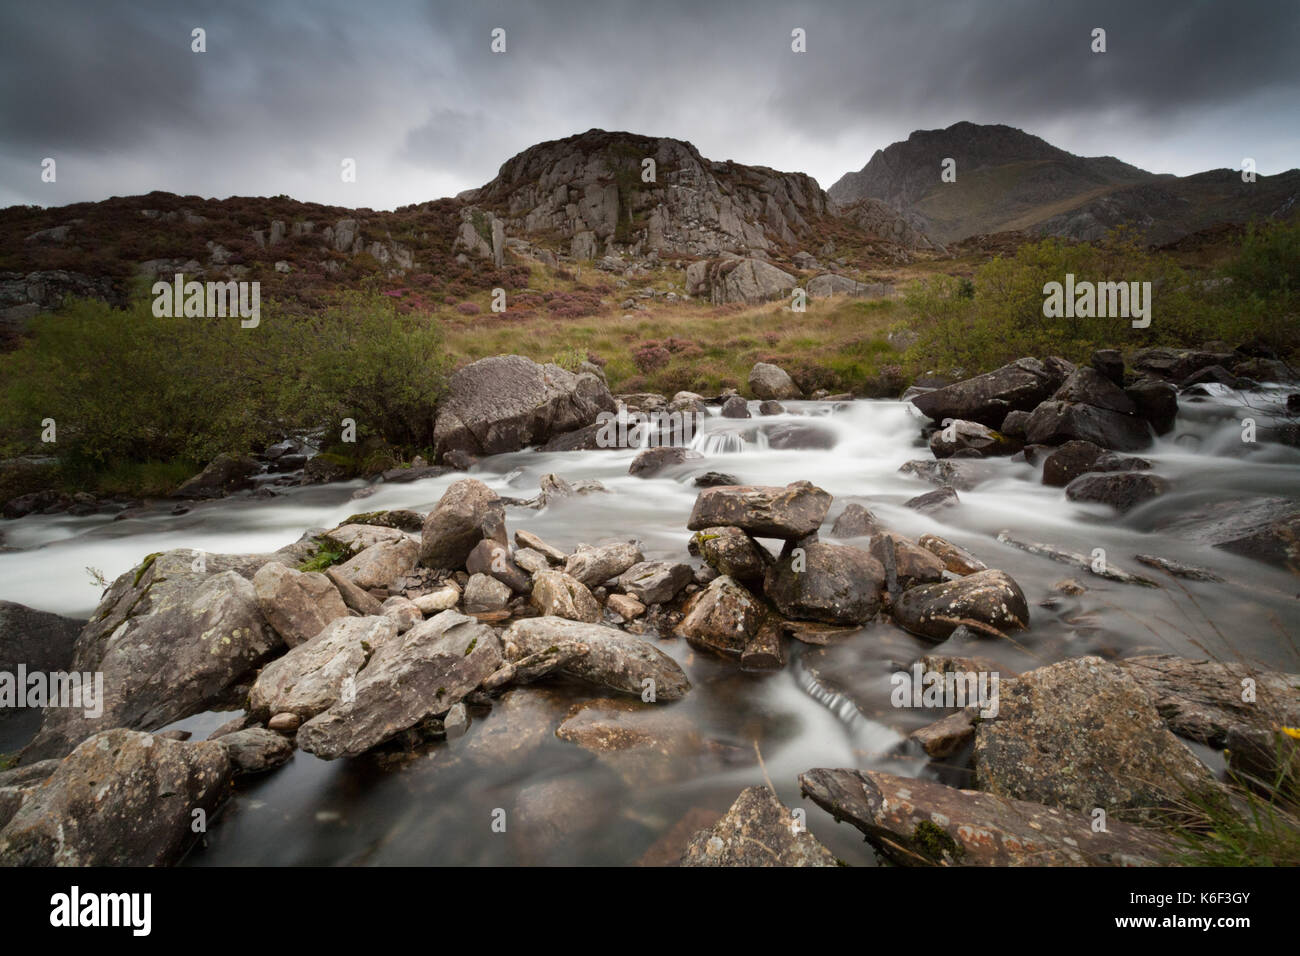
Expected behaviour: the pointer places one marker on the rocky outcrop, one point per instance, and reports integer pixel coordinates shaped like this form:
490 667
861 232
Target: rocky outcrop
508 402
733 279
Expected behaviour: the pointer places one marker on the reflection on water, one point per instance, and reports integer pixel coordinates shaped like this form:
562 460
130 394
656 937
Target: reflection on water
829 707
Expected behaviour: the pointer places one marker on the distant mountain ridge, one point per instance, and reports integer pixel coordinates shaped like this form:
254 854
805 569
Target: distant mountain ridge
1007 179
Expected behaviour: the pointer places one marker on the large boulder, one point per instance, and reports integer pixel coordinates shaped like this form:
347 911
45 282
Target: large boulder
792 512
121 798
988 398
417 675
224 474
758 830
767 381
828 284
1068 462
468 512
1122 490
987 597
508 402
40 642
297 604
923 823
1156 403
1055 423
724 617
1089 387
1082 734
614 659
738 280
172 637
832 583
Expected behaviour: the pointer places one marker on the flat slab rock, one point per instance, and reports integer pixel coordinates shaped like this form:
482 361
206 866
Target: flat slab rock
923 823
792 512
758 830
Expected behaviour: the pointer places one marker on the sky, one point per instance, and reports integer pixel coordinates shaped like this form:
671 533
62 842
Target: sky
414 94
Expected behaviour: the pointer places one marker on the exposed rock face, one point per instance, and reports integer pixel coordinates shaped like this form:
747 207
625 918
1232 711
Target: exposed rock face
589 191
987 398
122 798
836 584
738 280
423 672
724 617
312 676
170 642
921 823
508 402
986 597
792 512
297 604
24 296
1126 761
614 659
1122 490
468 512
758 830
768 381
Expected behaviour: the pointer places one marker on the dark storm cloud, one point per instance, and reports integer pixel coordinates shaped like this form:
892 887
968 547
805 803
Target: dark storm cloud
414 94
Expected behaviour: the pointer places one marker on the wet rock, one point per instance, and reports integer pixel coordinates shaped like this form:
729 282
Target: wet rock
945 737
354 597
920 823
424 672
1109 461
651 461
792 512
713 479
913 565
381 564
1068 462
456 723
1176 364
933 501
989 598
855 521
257 749
758 830
655 582
561 595
723 617
224 474
170 640
485 594
732 552
594 566
642 743
1264 528
735 407
313 676
36 639
1202 700
1109 363
1122 490
520 722
1156 404
1055 423
1013 426
831 583
468 512
397 518
1089 387
960 435
988 398
955 473
767 381
615 659
771 408
1126 761
955 559
508 402
799 435
765 650
297 604
122 798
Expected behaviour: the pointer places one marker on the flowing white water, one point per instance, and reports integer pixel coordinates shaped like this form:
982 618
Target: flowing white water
829 707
